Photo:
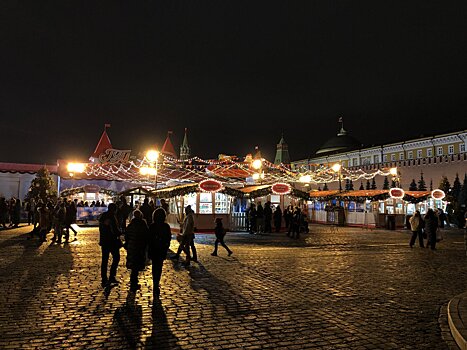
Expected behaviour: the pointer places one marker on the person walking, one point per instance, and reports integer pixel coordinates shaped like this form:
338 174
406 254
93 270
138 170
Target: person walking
43 220
188 233
220 234
431 225
59 217
159 243
70 218
259 218
416 225
3 211
136 240
109 240
267 217
295 224
252 218
31 208
277 218
287 217
123 212
147 211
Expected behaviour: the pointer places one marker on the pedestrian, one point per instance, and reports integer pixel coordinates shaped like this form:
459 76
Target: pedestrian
109 240
416 225
165 206
295 224
267 217
252 218
147 210
136 237
31 208
259 218
3 212
159 242
277 218
220 232
70 218
43 220
59 222
431 225
188 233
123 212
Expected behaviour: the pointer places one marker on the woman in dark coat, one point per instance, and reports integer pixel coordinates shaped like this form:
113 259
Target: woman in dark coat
136 235
431 225
278 218
159 243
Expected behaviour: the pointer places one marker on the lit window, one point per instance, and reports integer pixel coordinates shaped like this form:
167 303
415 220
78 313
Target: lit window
462 148
439 151
419 153
401 156
451 149
410 155
429 152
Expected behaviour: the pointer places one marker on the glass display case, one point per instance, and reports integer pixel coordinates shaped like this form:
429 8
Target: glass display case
205 203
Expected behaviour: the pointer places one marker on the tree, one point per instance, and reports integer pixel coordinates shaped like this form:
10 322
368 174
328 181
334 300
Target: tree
421 183
456 188
413 185
386 183
42 187
325 188
373 184
361 186
445 185
368 186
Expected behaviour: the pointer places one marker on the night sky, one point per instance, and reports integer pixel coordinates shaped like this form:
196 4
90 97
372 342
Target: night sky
235 73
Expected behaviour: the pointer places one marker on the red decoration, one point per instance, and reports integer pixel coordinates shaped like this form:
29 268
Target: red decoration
281 188
210 186
438 194
396 193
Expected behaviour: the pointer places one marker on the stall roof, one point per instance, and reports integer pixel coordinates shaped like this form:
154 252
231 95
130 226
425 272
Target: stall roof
418 194
176 190
315 194
136 190
363 193
249 189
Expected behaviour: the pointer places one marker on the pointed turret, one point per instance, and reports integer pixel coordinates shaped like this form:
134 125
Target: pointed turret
168 149
103 144
282 152
185 148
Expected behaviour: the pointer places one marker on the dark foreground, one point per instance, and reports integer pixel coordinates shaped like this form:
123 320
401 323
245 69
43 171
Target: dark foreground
348 289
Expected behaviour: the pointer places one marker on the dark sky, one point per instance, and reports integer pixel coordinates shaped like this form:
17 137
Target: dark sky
236 73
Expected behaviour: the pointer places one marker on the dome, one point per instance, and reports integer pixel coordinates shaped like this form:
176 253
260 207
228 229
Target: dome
340 143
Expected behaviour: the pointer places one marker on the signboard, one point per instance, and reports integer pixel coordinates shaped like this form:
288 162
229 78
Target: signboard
113 156
438 194
210 186
281 188
91 188
396 193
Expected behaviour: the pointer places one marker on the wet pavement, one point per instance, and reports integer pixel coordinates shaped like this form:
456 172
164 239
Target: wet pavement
331 289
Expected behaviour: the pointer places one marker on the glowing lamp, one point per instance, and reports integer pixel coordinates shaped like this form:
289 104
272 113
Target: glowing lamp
336 167
257 164
152 155
76 167
393 171
305 178
147 171
255 176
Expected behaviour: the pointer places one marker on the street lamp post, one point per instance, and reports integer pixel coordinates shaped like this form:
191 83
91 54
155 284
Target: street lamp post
337 169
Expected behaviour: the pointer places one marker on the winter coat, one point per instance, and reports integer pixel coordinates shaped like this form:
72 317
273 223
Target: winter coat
159 241
431 224
136 241
415 223
109 233
219 231
189 225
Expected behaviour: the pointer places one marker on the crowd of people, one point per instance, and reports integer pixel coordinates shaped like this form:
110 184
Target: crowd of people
10 212
260 219
427 227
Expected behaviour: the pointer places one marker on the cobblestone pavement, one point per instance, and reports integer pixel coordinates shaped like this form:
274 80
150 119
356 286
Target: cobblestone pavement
352 288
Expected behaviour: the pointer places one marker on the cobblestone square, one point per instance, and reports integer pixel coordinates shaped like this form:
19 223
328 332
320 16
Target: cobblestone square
345 289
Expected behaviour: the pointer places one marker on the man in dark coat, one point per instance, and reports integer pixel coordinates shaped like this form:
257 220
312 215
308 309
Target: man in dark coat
267 217
278 218
147 210
109 240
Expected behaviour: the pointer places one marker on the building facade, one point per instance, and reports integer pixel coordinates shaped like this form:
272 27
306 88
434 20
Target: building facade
435 157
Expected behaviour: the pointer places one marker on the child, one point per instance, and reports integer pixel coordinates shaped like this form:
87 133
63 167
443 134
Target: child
220 234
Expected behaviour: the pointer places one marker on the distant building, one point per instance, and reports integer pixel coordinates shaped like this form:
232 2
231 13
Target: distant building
282 153
168 149
185 148
436 156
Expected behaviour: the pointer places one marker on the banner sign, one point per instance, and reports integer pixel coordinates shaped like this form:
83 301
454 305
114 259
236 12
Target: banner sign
210 186
438 194
281 188
91 188
113 156
397 193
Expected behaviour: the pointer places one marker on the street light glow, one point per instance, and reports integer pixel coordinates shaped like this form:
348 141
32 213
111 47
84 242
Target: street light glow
255 176
147 171
152 155
76 167
305 178
393 171
336 167
257 164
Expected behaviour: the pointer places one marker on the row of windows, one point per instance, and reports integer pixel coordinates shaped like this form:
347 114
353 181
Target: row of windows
410 155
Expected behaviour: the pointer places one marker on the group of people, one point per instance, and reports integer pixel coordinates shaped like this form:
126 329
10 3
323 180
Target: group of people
57 216
426 228
259 219
10 212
